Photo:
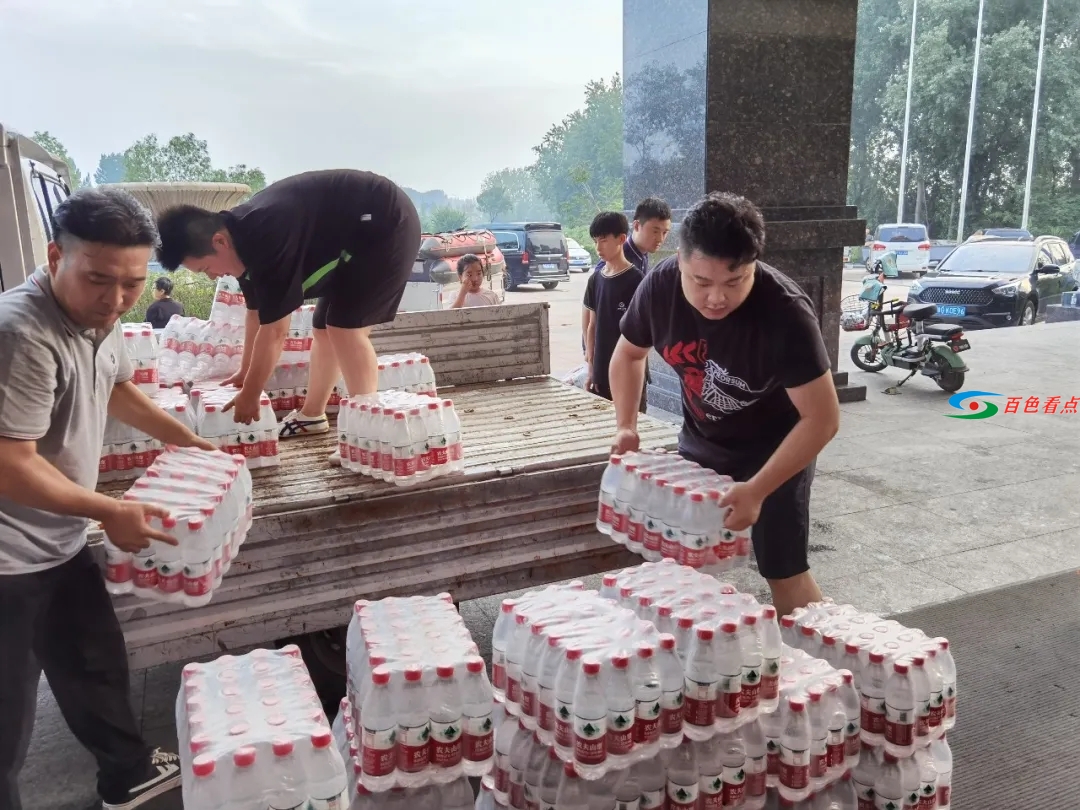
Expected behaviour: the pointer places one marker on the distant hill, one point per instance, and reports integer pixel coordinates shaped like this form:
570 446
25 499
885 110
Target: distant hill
427 201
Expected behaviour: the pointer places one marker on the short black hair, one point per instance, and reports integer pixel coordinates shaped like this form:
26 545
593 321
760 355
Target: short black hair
724 226
163 283
652 208
466 261
186 230
107 216
609 223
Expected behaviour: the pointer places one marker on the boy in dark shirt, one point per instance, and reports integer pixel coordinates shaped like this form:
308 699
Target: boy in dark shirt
759 403
608 293
160 312
348 238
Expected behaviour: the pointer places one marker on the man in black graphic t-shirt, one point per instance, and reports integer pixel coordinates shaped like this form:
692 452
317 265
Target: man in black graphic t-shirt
758 398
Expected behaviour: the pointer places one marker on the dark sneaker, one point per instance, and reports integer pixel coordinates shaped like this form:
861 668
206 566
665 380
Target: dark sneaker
296 424
162 775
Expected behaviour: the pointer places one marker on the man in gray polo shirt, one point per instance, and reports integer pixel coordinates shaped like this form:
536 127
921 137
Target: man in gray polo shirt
63 368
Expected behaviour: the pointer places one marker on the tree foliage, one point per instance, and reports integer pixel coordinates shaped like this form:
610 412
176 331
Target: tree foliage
493 201
110 169
444 219
941 91
524 193
579 163
50 143
183 158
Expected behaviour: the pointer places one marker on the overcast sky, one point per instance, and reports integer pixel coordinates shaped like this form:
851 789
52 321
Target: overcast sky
433 94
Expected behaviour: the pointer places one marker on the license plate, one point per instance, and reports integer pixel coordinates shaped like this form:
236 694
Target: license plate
901 253
960 345
951 310
549 267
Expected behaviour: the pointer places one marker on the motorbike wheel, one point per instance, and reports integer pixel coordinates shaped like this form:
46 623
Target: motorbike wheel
949 380
867 358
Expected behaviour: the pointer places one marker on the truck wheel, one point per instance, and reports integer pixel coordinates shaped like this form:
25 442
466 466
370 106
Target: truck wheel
324 655
549 285
867 358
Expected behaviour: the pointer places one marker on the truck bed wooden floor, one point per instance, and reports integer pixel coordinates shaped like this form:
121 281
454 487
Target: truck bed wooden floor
522 513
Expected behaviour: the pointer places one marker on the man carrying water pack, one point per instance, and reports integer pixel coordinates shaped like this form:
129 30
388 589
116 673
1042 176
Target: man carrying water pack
63 369
759 402
348 238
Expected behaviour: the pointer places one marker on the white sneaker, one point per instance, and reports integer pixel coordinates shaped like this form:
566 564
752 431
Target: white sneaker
296 424
335 458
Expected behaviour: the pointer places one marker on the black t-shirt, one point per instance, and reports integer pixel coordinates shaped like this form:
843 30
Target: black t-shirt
292 235
609 298
160 312
734 371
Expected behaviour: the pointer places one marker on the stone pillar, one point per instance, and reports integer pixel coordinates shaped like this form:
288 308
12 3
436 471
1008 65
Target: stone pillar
766 85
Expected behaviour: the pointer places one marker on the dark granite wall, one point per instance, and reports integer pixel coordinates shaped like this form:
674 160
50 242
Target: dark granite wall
774 113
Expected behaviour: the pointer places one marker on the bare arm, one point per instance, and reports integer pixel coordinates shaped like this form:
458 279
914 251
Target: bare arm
132 407
626 374
459 302
588 332
32 481
251 332
265 351
819 419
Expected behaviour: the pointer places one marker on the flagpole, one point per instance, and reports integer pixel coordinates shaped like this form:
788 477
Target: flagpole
971 125
1034 121
907 116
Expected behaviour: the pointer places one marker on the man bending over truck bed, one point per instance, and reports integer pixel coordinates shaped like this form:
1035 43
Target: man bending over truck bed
347 237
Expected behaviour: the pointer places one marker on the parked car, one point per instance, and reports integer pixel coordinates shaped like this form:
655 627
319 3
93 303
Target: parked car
998 282
535 253
580 258
909 241
1002 233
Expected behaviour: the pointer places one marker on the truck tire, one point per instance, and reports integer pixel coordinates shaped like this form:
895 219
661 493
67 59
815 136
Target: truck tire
324 655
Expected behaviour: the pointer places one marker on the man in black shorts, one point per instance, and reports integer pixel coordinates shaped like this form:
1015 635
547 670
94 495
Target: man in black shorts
758 398
346 237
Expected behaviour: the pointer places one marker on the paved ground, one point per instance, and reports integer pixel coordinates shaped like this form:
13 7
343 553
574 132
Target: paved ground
909 508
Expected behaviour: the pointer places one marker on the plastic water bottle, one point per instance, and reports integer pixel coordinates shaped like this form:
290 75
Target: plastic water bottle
413 728
645 677
900 714
710 766
873 699
446 726
609 484
889 785
377 744
683 787
753 738
438 450
701 685
850 705
500 636
864 777
404 458
621 714
478 733
454 444
943 764
671 693
947 667
565 690
590 721
327 784
624 496
572 794
795 742
819 737
771 651
729 665
695 531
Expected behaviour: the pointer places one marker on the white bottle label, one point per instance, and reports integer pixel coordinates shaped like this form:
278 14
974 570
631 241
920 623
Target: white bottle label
633 804
682 795
651 800
338 802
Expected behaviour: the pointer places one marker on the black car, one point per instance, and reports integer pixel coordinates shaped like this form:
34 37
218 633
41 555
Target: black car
535 253
998 282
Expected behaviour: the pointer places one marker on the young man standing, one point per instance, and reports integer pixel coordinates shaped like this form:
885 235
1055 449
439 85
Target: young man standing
758 397
63 368
652 224
607 296
347 237
159 313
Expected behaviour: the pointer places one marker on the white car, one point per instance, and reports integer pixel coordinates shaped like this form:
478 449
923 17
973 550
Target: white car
580 259
909 241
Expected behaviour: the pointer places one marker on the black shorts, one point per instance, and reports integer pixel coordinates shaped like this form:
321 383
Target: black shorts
602 389
367 289
782 533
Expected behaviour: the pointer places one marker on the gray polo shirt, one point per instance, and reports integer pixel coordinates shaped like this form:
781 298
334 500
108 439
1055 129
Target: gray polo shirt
55 382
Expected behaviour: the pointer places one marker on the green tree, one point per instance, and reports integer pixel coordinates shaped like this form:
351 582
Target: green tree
579 163
520 185
50 143
240 173
941 92
184 158
110 169
494 200
444 219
